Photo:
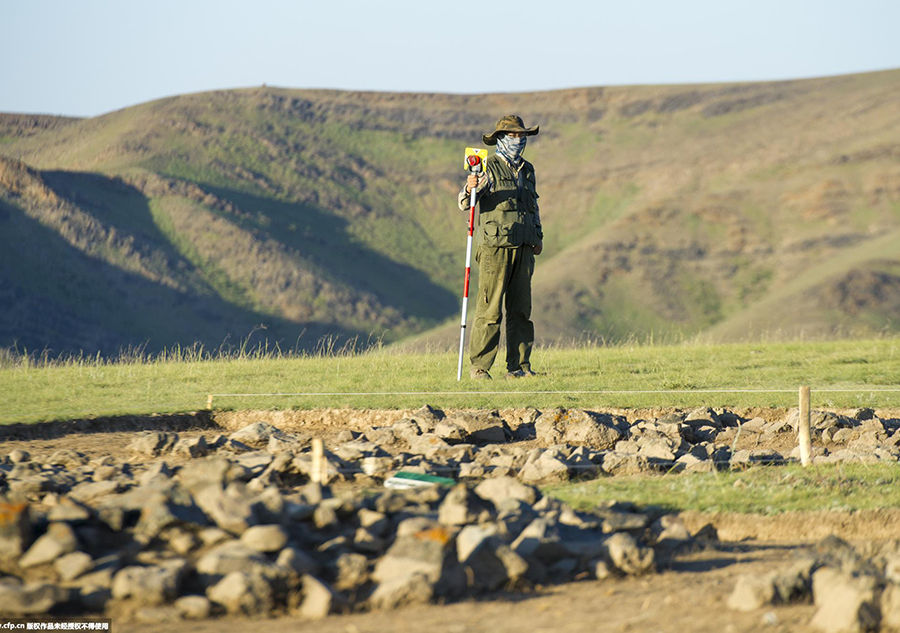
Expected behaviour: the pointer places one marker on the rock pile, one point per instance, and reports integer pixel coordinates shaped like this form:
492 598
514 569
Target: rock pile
241 531
852 592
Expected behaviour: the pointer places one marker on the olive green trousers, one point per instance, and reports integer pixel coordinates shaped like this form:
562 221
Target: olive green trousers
504 280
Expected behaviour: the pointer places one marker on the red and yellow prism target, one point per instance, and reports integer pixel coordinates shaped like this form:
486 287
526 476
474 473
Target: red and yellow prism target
475 159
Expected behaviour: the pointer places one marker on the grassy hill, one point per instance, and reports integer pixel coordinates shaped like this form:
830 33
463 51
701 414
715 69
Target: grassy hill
735 211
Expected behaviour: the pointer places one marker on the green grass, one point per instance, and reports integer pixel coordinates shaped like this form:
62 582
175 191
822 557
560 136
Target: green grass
759 490
30 392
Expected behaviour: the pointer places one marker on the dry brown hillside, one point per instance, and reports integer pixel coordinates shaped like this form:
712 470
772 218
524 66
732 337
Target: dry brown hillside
736 211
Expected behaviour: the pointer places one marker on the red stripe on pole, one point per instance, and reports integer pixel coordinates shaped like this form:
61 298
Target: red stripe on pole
466 289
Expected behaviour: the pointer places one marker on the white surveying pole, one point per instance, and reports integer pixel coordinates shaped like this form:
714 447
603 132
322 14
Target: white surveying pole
475 164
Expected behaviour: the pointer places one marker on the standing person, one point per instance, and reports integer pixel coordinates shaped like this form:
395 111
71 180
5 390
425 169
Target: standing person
509 236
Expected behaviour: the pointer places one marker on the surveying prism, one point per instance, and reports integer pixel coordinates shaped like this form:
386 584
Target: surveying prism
474 163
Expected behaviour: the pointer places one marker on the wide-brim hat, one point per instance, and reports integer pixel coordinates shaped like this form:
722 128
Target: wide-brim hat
509 123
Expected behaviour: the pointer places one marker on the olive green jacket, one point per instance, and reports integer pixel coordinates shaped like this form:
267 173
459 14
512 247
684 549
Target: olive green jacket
509 215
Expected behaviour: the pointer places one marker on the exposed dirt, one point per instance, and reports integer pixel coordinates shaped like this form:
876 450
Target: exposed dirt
803 526
110 435
688 597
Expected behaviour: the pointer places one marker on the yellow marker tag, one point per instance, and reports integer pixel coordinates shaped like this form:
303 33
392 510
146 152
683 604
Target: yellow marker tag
475 151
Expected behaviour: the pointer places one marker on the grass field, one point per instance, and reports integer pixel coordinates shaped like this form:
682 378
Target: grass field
759 490
34 392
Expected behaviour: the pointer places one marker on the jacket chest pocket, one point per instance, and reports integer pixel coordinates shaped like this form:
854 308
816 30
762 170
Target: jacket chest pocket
501 236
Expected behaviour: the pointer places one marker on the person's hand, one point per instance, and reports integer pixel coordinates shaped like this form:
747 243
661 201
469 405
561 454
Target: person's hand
472 182
538 249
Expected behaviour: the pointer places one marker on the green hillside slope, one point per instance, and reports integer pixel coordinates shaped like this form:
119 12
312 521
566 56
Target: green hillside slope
734 210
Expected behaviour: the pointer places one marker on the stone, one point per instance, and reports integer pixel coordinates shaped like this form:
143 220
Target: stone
461 506
73 565
657 450
600 569
472 471
579 428
380 435
331 466
153 585
234 556
365 541
357 450
671 533
376 466
297 561
214 471
325 517
376 523
795 582
93 598
318 599
103 572
400 591
152 443
406 429
703 415
427 417
481 428
15 529
59 539
18 456
255 461
90 490
890 607
352 572
107 473
844 603
428 552
191 447
615 519
232 447
498 489
29 599
488 561
265 538
449 431
163 511
213 536
549 466
540 541
627 556
67 458
69 511
760 456
230 509
257 434
181 541
243 592
752 592
193 607
157 473
615 463
428 445
157 615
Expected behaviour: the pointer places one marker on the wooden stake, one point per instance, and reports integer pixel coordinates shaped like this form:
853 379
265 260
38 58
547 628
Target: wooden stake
318 457
805 448
209 402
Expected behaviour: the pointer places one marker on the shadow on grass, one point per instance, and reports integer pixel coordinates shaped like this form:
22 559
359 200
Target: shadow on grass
177 422
66 301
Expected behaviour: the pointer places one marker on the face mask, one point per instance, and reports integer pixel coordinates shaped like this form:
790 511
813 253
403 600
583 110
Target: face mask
511 147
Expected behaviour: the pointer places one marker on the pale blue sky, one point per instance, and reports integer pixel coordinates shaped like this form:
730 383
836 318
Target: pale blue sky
87 57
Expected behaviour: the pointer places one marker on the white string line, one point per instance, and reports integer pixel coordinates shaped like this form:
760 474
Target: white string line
514 393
